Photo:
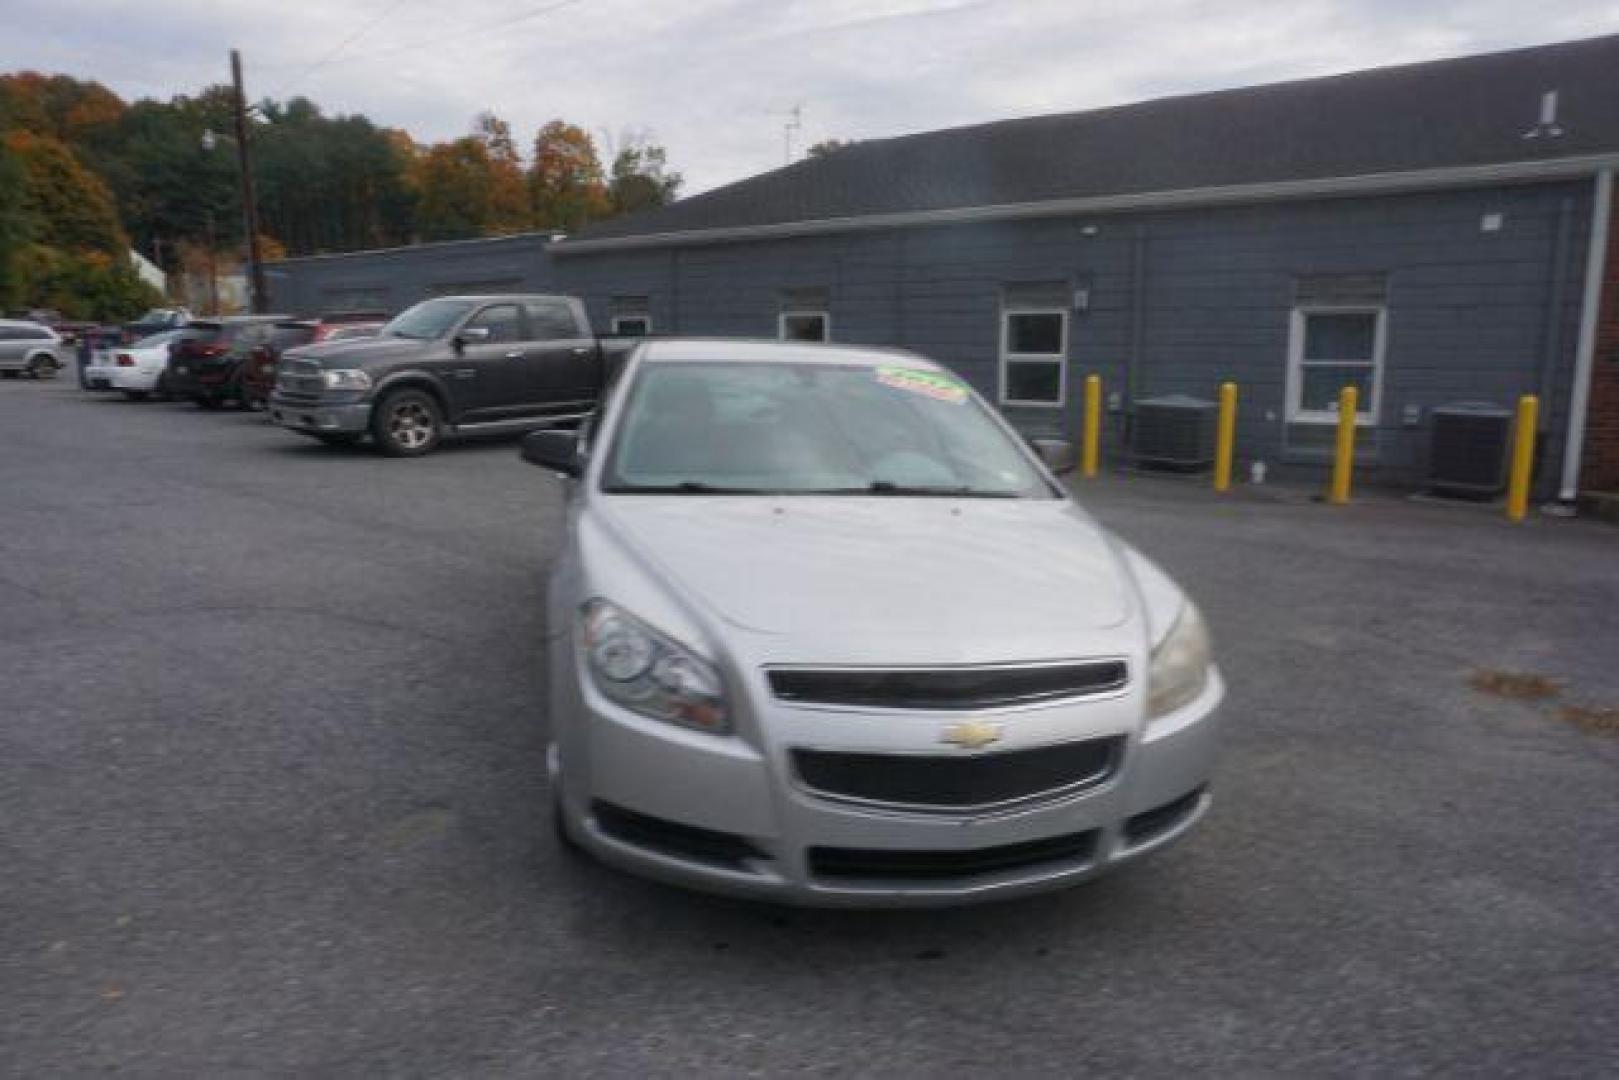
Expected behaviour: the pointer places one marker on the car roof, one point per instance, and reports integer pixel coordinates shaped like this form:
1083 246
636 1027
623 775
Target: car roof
658 350
29 323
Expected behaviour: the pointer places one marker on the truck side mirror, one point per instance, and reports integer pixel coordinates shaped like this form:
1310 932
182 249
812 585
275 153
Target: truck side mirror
552 449
471 335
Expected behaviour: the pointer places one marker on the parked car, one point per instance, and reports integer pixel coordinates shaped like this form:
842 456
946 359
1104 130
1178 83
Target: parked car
825 630
138 369
94 352
454 364
258 376
206 366
27 347
156 321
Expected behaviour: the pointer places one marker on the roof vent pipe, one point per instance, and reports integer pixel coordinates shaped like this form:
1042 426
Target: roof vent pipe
1547 126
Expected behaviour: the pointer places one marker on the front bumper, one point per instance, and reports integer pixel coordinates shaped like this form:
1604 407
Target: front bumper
721 815
298 414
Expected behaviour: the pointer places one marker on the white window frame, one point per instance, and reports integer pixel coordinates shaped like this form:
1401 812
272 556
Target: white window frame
1008 358
647 319
1366 413
802 313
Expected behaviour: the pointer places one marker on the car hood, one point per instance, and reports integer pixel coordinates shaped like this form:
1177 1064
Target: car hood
359 352
893 580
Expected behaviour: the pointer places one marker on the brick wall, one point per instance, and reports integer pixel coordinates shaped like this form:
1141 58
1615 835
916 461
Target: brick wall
1600 466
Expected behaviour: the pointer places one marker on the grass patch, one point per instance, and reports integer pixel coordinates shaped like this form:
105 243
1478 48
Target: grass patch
1516 685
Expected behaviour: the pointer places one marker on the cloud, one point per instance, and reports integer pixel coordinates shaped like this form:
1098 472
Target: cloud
713 79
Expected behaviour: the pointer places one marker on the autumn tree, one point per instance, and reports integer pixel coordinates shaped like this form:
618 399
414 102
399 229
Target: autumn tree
454 198
71 206
509 207
566 188
641 178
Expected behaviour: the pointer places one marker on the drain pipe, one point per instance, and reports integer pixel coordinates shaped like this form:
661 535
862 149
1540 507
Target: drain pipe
1585 352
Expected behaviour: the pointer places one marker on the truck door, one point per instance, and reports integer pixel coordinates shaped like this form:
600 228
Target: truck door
564 362
485 377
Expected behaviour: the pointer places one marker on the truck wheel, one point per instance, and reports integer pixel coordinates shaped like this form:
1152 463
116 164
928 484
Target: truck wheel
407 423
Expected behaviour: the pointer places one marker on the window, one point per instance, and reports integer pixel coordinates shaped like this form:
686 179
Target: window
805 326
1331 348
502 322
632 325
551 320
1034 352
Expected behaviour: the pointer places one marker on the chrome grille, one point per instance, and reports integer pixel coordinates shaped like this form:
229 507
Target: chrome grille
300 378
948 688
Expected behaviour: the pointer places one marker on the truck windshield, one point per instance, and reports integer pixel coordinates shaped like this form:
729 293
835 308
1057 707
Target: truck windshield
428 320
812 429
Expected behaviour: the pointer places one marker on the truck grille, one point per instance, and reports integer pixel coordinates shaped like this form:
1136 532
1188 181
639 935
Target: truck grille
300 379
980 687
959 783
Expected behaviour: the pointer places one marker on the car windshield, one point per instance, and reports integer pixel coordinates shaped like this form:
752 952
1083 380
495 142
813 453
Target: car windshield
428 320
782 428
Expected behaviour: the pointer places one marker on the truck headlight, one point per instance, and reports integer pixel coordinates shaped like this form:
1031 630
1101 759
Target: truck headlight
649 673
345 379
1179 668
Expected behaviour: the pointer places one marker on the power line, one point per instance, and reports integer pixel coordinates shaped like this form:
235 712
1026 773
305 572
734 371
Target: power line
340 46
481 30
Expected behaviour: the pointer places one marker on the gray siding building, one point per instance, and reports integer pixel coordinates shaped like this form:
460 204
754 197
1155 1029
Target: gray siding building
1424 233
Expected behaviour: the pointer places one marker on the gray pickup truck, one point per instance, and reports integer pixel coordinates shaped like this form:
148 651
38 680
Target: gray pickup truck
456 364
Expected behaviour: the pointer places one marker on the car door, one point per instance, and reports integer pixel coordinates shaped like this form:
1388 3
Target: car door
485 377
562 359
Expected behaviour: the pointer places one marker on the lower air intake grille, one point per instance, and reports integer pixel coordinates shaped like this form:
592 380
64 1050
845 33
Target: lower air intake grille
830 862
959 782
673 838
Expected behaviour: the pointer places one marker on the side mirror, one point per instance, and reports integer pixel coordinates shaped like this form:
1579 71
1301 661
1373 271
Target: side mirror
1058 454
552 449
471 335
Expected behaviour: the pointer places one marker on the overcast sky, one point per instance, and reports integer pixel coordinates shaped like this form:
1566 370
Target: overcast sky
713 79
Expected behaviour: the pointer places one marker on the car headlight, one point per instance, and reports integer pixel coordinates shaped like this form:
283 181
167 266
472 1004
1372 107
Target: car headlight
1179 668
345 379
649 673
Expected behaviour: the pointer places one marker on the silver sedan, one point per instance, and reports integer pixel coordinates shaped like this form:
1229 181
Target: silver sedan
826 631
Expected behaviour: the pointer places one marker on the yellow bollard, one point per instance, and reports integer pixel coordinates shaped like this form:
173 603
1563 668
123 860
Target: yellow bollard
1523 457
1343 461
1093 425
1226 437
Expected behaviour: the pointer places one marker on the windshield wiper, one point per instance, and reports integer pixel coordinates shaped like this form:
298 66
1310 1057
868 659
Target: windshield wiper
945 491
686 487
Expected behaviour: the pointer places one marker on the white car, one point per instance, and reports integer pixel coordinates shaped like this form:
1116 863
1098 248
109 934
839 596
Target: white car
134 369
826 631
29 347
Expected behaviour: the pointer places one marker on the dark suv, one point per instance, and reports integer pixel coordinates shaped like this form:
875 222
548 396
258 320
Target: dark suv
206 367
454 364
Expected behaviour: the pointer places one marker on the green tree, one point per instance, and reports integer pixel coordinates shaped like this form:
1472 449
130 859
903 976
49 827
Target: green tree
16 226
641 179
827 147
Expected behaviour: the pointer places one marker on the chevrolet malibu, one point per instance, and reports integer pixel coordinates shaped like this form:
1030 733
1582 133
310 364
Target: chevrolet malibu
824 630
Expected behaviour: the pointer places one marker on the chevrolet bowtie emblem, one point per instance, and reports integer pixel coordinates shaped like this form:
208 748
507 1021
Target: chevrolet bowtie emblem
971 734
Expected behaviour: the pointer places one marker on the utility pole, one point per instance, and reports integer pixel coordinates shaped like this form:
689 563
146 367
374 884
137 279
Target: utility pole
213 266
250 212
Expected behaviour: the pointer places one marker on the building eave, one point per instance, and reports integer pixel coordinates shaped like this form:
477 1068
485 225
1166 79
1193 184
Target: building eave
1462 176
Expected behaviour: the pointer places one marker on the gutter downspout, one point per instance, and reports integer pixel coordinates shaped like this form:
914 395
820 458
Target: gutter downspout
1585 352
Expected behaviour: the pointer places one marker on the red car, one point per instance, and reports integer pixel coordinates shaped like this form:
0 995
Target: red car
258 373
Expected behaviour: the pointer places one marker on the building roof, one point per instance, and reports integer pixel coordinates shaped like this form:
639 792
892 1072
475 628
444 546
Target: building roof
1470 120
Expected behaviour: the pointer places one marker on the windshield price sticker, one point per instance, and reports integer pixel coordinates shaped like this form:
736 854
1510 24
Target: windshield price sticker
928 383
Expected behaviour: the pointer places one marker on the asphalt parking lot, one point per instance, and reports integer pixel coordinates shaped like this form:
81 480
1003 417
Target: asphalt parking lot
272 800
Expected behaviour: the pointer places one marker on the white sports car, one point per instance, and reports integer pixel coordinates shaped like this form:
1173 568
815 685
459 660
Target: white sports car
135 369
